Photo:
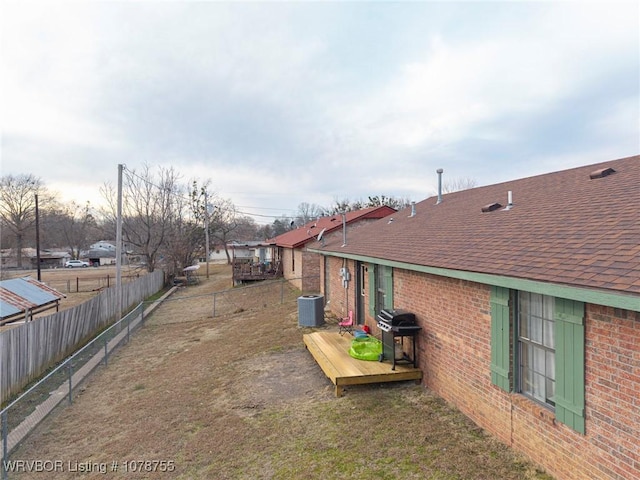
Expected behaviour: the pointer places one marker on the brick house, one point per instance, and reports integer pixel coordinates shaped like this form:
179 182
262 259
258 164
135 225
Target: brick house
302 268
530 310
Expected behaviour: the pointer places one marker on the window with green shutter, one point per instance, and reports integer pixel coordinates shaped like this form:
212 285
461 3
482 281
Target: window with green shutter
569 398
548 337
500 338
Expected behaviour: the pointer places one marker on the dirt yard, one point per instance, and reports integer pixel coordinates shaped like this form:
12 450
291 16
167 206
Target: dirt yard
237 396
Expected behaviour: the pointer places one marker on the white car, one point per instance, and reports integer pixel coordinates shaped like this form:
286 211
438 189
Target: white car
75 263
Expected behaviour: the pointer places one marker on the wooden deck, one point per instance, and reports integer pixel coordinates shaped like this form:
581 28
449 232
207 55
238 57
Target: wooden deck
331 352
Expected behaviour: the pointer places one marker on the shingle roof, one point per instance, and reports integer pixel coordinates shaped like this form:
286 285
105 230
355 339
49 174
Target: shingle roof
308 232
564 227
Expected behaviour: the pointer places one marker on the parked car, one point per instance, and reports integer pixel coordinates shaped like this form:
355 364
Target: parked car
75 263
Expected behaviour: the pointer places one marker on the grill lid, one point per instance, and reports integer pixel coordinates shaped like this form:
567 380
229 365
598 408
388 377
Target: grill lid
397 317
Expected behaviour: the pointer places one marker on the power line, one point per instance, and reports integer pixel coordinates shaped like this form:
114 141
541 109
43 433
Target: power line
175 194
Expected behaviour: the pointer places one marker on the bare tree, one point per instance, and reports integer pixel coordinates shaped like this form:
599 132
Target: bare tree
18 207
340 206
278 227
346 205
148 211
382 200
308 212
457 184
224 223
184 239
71 225
247 228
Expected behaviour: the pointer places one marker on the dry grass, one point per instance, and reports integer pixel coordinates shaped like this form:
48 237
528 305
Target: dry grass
238 397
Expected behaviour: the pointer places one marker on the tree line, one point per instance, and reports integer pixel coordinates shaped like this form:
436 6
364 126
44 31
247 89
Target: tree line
164 221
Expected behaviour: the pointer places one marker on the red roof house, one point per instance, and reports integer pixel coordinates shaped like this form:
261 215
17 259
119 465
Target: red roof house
301 267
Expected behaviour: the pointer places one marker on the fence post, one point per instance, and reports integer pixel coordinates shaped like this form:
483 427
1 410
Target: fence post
70 382
214 304
5 457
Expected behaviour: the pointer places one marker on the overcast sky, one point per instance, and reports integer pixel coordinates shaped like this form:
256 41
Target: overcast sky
282 103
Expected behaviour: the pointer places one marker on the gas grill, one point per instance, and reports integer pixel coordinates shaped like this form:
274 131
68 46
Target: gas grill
397 324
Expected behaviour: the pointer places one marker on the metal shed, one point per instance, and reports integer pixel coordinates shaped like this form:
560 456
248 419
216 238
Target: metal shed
22 297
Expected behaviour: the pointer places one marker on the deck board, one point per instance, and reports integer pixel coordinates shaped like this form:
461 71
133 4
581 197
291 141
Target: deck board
331 352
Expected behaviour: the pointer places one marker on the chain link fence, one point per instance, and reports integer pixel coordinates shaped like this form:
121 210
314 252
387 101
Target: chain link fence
57 387
24 413
88 283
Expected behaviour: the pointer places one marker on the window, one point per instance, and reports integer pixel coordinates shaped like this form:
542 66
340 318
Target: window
545 359
536 346
380 288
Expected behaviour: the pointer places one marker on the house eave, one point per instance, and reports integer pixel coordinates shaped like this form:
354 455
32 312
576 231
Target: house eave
615 299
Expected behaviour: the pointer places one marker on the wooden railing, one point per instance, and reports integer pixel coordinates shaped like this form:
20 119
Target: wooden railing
247 271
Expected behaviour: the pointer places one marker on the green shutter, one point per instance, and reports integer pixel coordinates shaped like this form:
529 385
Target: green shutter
500 338
372 290
569 394
388 287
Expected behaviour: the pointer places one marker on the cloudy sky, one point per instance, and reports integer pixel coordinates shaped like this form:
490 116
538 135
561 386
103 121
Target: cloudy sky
279 103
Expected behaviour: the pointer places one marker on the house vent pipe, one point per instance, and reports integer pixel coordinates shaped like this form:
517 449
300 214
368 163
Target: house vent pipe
509 200
344 229
413 209
439 172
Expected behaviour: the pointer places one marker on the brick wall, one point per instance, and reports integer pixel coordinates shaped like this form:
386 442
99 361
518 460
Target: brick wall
612 373
339 304
310 272
455 356
454 353
292 266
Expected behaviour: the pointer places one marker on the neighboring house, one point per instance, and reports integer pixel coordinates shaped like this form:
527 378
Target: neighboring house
103 245
530 312
302 268
217 254
48 258
104 252
101 256
253 261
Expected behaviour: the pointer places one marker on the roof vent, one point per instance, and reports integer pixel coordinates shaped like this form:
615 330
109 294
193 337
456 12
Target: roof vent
439 171
509 200
491 207
603 172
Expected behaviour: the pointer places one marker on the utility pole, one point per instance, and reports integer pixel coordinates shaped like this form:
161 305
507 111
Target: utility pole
206 229
119 247
38 239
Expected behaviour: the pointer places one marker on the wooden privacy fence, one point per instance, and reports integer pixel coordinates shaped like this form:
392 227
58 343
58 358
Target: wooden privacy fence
30 349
